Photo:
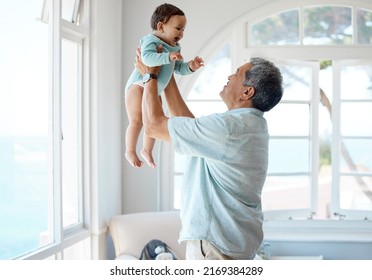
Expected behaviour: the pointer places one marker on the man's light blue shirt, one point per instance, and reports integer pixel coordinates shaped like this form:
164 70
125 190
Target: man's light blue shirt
223 180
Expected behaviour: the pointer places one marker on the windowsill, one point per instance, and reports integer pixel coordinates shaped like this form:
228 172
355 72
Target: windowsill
318 231
47 251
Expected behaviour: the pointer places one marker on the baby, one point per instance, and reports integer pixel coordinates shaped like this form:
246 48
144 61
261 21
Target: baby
168 24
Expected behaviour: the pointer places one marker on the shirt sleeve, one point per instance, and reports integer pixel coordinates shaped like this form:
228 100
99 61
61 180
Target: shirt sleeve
203 137
182 68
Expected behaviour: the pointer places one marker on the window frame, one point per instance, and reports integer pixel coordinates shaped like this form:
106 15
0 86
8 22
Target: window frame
60 29
337 142
312 137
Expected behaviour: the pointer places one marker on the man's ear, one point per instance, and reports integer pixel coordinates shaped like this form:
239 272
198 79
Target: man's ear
248 92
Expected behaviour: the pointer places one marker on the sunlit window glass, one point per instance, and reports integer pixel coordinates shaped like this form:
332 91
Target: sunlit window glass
282 123
204 97
70 131
361 87
354 156
327 25
69 10
364 26
355 164
25 206
355 192
355 118
297 81
280 29
278 188
211 80
289 169
289 156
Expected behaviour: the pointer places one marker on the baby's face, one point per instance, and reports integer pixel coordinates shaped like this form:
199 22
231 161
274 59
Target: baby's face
172 31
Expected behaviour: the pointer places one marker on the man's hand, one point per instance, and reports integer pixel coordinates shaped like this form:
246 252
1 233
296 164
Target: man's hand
175 56
142 68
196 63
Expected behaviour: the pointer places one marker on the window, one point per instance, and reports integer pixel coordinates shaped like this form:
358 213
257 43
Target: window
24 132
71 122
293 150
364 26
319 155
70 10
42 206
352 165
327 25
287 30
313 25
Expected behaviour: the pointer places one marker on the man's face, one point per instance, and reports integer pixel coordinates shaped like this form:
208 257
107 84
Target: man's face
231 92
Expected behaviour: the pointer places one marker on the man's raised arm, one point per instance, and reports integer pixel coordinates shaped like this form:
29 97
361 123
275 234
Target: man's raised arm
175 102
154 121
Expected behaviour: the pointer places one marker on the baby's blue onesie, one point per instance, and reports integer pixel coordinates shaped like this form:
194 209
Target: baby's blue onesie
151 57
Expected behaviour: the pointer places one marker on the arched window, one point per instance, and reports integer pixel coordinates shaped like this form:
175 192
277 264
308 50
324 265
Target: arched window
320 134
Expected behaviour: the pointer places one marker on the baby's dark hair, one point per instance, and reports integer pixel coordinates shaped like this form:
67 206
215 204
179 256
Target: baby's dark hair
163 13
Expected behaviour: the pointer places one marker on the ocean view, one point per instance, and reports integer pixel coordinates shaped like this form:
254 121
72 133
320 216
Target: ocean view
23 194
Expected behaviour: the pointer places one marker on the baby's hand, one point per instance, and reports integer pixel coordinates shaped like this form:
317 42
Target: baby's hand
175 56
196 63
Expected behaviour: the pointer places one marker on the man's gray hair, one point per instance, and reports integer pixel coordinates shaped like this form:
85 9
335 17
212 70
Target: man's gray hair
267 81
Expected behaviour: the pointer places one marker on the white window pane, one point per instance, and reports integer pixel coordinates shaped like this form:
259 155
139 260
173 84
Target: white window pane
356 156
296 82
361 87
279 191
288 156
327 25
70 132
68 9
364 26
279 29
283 114
213 78
25 208
355 192
356 119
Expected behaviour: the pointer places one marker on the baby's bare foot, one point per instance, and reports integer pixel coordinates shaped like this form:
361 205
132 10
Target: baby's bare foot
133 159
148 158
